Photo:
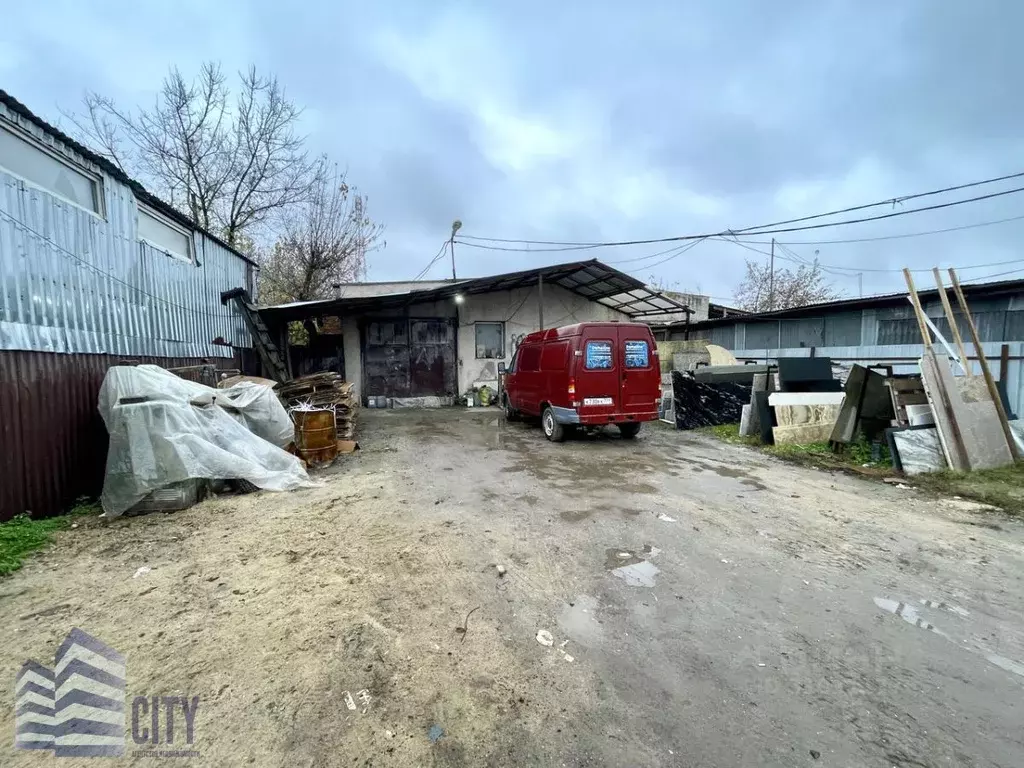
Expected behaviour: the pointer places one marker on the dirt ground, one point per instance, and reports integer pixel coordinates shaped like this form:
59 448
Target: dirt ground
706 606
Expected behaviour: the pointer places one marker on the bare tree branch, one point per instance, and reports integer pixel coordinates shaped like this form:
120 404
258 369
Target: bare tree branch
791 289
230 163
326 242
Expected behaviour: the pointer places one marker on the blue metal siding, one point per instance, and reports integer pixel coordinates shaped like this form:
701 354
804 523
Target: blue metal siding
73 282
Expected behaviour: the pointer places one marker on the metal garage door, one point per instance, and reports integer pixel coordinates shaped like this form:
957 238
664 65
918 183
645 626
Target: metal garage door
409 357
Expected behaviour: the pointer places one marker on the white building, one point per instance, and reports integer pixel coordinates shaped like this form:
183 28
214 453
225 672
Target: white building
439 339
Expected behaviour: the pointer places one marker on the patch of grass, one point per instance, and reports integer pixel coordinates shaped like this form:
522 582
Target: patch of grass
1002 487
853 458
23 535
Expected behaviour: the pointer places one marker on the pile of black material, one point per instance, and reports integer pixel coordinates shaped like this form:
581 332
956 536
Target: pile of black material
807 374
702 404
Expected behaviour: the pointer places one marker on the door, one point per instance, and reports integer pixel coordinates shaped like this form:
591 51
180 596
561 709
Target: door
431 358
528 377
597 372
640 374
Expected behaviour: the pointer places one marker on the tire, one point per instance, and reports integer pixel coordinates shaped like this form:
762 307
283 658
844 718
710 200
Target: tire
629 429
553 431
511 414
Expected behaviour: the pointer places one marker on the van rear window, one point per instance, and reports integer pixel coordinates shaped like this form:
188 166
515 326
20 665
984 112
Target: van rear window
637 354
599 355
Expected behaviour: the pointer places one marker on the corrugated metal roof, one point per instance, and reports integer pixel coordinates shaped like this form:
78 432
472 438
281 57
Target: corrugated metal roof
590 279
971 291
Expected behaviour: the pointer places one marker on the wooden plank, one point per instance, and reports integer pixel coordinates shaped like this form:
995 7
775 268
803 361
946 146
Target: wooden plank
983 362
965 363
926 336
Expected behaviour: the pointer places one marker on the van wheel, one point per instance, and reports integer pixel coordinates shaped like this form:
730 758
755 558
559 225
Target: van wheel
629 429
554 431
511 414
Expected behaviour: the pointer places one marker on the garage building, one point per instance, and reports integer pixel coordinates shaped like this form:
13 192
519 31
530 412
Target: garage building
425 342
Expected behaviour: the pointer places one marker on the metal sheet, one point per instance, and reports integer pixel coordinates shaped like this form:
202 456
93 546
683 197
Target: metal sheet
75 282
53 444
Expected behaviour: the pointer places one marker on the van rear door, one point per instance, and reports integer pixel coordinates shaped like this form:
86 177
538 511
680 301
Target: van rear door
597 372
639 373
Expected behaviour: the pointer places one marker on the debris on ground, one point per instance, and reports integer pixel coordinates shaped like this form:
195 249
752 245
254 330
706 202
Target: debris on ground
435 733
142 571
501 570
545 638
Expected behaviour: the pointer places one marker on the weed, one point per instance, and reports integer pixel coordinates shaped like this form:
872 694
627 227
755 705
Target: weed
23 534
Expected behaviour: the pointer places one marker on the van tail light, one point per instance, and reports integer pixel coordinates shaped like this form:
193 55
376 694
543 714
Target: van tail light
572 386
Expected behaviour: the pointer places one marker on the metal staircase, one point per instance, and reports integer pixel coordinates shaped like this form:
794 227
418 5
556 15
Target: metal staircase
265 346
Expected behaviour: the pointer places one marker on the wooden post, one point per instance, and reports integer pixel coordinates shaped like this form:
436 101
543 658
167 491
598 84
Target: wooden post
926 336
1004 363
965 361
983 362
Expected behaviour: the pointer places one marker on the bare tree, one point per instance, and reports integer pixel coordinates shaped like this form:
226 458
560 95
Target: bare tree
231 163
326 242
758 292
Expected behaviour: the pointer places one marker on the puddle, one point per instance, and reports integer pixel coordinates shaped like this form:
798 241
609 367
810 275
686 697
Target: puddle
733 473
579 620
945 607
1009 665
633 567
638 574
910 613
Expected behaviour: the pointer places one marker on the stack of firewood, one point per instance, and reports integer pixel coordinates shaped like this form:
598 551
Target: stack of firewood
324 390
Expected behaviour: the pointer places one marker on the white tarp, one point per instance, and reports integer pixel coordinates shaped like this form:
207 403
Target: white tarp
172 430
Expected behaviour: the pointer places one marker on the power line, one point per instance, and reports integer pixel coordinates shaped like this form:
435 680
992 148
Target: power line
854 270
433 261
97 270
759 231
902 236
889 201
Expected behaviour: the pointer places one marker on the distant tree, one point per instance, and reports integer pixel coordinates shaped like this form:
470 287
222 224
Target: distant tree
231 161
325 241
759 293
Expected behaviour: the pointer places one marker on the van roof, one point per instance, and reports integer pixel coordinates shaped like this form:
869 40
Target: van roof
577 329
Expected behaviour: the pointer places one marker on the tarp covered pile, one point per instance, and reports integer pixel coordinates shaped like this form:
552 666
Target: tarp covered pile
166 430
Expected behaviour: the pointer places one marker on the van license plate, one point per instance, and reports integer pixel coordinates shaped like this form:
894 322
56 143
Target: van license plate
597 401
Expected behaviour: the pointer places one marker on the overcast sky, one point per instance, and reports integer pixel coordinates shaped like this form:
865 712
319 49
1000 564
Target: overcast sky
601 120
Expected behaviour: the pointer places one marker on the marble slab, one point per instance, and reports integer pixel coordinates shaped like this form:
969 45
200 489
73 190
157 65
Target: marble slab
919 450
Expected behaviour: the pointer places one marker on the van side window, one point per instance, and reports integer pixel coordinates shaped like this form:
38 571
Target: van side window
637 354
512 364
553 356
529 358
599 355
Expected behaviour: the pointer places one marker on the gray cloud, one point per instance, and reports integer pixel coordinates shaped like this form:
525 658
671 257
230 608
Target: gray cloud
597 120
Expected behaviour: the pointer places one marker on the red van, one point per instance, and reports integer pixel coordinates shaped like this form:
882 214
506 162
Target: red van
585 375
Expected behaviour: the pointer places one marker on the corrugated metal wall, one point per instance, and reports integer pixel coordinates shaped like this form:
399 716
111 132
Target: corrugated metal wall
80 292
72 281
53 445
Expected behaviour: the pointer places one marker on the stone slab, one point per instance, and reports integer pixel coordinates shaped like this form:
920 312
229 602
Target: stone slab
802 434
969 430
919 450
776 399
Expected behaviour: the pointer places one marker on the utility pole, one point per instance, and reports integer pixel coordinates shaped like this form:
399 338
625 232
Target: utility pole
456 226
771 280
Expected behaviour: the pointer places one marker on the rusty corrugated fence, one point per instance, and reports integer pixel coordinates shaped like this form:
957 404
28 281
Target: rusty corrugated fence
53 444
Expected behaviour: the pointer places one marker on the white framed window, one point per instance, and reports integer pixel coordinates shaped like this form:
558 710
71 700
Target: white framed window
24 157
165 235
490 340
